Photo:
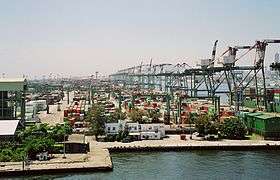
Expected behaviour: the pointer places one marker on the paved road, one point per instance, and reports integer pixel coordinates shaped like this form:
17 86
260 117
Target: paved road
55 116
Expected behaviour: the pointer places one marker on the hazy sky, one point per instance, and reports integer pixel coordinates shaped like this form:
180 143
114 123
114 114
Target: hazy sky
79 37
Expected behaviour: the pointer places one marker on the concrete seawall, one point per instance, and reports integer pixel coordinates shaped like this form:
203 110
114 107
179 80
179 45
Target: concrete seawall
173 143
97 160
52 171
189 148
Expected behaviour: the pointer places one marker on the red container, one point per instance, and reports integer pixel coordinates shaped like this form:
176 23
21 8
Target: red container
276 91
154 105
72 121
65 113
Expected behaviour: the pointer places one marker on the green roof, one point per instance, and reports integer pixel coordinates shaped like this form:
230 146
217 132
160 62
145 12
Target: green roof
266 116
269 116
7 84
254 114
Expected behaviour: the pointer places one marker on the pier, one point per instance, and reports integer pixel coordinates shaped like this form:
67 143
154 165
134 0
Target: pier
173 143
97 159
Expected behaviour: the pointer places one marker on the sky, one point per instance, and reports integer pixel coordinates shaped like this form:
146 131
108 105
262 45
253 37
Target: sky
79 37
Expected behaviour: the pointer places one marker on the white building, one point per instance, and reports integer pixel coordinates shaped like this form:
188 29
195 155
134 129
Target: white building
150 135
153 128
133 127
145 131
112 128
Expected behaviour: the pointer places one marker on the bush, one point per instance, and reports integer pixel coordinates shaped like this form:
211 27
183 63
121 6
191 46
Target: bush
136 115
110 138
115 116
11 154
200 124
37 145
233 128
33 140
97 119
206 124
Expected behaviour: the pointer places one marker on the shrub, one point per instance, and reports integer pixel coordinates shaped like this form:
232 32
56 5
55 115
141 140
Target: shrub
233 128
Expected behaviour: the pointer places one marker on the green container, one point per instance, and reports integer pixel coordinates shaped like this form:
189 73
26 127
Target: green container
250 118
267 125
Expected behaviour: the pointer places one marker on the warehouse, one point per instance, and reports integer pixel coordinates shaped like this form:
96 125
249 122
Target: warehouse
12 99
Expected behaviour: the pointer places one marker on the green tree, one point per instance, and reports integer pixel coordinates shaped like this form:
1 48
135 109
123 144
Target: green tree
115 116
58 132
33 140
233 128
212 127
35 145
136 115
36 130
200 124
97 119
154 115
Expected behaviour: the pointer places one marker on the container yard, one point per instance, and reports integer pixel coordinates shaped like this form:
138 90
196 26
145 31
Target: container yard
139 89
77 110
151 107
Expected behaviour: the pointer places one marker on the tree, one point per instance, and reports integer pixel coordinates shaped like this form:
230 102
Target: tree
97 120
33 140
35 145
206 124
200 123
55 132
154 115
212 127
116 116
136 115
233 128
58 132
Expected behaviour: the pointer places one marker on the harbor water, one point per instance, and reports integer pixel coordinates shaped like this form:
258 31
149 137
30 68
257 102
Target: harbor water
187 165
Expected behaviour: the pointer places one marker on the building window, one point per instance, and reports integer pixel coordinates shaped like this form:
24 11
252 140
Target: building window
114 128
109 128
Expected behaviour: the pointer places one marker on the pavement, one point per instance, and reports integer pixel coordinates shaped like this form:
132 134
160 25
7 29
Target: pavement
174 140
97 159
55 116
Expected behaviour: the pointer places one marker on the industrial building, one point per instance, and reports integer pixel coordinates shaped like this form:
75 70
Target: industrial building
12 98
12 106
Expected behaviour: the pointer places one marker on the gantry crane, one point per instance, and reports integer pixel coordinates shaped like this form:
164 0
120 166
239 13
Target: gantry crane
191 80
